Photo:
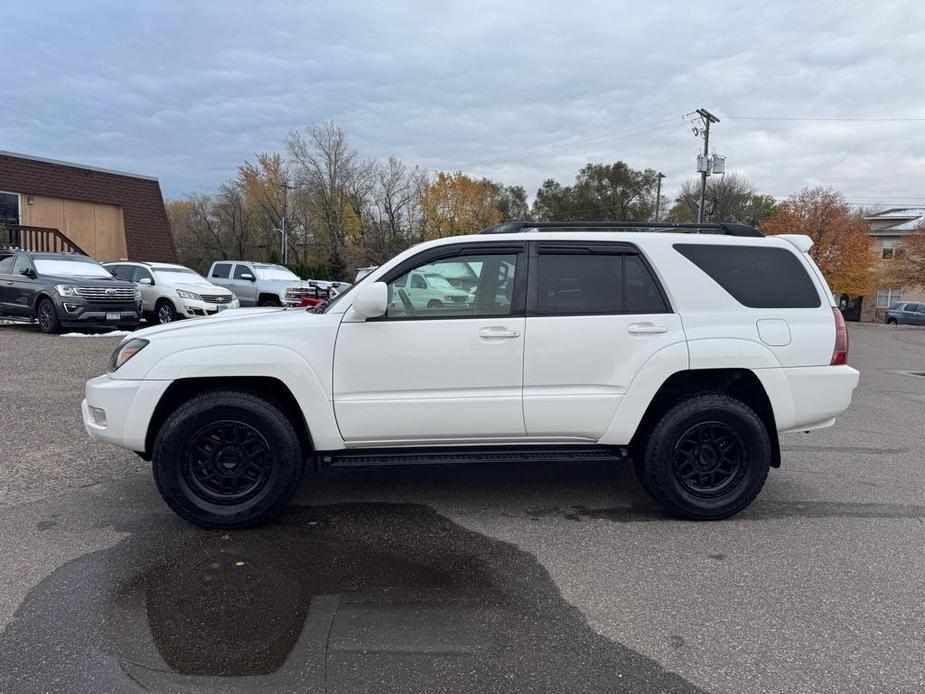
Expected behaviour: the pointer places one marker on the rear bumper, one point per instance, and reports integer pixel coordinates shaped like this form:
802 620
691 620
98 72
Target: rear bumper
122 410
811 397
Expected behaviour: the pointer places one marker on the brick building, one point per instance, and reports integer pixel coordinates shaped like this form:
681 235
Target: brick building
886 230
108 215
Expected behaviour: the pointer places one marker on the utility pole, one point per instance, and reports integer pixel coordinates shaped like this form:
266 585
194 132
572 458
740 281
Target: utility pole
284 233
658 193
707 119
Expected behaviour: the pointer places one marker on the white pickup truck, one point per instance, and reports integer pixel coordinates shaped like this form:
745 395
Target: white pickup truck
686 351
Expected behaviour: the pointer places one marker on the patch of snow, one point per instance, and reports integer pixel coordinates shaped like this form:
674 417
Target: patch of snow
111 333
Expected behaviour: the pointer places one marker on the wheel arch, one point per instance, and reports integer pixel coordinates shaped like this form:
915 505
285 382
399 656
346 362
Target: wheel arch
740 383
273 389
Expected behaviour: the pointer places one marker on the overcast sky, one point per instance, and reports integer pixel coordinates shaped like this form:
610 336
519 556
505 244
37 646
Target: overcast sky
517 91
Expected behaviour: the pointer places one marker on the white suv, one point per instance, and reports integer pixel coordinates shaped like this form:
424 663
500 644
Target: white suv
687 351
169 291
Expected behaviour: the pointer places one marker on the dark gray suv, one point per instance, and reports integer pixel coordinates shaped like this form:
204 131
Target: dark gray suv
906 313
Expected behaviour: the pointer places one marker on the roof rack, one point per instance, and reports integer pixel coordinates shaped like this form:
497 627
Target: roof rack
727 228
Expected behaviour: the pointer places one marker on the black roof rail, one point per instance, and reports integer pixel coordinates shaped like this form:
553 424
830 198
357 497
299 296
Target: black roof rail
729 228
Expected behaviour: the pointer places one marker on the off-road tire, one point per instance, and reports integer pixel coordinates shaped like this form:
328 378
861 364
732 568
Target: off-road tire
717 428
186 470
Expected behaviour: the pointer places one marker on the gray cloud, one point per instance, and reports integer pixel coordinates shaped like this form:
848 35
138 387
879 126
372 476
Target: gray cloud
187 90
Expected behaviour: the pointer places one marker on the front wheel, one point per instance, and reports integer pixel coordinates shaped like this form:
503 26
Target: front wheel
892 321
164 312
47 317
707 458
227 459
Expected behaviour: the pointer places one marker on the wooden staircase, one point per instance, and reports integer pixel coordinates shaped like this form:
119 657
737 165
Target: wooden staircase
37 239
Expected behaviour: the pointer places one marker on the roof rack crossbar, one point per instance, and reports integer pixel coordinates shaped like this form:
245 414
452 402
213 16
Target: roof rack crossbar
728 228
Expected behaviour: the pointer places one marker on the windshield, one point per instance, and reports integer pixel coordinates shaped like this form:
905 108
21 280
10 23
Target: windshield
69 267
439 282
274 272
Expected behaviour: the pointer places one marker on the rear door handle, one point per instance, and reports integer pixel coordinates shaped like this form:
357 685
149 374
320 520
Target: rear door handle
497 331
646 329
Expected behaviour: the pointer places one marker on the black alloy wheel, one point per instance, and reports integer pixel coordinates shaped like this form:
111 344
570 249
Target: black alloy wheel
709 458
227 462
47 317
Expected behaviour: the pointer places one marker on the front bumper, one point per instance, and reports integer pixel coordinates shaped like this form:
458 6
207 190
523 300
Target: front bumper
118 411
78 312
194 309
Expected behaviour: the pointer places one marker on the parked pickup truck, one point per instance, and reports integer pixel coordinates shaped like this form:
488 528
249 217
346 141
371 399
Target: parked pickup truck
580 341
64 290
261 284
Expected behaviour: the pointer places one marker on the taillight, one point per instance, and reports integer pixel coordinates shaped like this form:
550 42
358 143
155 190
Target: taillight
840 355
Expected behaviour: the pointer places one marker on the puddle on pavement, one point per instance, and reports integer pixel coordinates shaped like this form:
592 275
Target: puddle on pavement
345 598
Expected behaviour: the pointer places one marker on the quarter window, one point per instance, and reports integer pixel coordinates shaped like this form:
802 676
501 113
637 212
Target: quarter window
462 286
222 270
755 276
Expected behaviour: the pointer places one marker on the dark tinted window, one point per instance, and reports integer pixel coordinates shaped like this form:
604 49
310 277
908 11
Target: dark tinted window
755 277
642 294
595 283
912 308
221 270
241 270
21 263
122 272
579 283
9 208
6 264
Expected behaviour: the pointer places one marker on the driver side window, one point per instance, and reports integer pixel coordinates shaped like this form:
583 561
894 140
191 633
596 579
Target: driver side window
464 286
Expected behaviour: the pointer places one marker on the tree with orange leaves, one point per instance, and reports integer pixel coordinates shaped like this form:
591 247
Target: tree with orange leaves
841 246
454 204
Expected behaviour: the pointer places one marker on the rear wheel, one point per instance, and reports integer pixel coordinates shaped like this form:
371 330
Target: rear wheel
227 459
47 316
707 458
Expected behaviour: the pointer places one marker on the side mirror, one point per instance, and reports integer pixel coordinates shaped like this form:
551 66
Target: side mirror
146 280
28 272
247 276
372 301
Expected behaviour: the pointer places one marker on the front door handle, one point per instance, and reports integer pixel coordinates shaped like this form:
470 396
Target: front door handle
646 329
496 331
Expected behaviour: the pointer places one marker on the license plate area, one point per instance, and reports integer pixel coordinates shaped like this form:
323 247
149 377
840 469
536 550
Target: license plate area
221 307
113 315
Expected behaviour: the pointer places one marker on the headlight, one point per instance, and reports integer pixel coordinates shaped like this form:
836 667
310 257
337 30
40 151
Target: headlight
126 351
66 290
188 295
137 293
290 292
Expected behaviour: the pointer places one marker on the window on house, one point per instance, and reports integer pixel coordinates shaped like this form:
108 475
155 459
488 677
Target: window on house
888 249
888 297
9 208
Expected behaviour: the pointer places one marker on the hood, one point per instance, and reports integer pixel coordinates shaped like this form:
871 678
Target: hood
251 315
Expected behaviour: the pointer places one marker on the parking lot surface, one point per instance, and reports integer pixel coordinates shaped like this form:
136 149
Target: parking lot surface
540 578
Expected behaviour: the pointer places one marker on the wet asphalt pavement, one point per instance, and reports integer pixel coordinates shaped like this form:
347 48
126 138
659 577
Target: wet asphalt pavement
545 578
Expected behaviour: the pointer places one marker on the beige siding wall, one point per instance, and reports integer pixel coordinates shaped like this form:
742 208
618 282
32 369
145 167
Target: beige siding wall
97 228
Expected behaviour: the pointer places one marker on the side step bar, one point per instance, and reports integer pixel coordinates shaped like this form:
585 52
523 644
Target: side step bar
17 319
375 457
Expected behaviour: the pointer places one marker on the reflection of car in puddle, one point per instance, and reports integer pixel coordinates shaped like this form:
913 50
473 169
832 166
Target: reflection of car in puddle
348 598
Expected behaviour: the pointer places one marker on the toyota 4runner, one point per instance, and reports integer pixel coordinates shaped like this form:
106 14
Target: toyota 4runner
686 351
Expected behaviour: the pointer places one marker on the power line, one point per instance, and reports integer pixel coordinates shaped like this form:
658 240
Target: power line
828 119
639 131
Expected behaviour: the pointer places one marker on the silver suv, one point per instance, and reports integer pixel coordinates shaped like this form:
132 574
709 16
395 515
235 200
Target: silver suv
261 284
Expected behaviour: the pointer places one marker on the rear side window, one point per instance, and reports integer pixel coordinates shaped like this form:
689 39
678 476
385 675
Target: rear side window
755 277
221 270
595 283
